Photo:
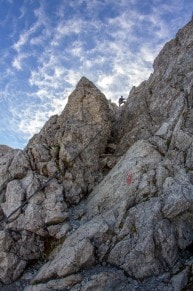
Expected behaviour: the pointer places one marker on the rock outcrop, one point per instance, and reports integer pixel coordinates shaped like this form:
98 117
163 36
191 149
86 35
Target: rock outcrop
86 118
101 198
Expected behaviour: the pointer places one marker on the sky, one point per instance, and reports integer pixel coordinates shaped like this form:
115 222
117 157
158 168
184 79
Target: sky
46 46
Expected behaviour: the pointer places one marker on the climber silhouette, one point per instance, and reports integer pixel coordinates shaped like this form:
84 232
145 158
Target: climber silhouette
122 100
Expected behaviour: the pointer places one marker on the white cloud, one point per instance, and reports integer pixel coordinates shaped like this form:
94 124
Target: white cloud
54 81
77 49
68 27
105 81
115 52
27 34
23 11
37 40
31 125
17 63
29 119
72 77
18 60
21 42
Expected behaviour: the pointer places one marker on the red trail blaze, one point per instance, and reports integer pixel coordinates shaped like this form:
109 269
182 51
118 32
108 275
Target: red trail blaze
129 179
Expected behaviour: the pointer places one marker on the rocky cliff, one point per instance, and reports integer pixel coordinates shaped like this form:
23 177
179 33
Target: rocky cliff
101 198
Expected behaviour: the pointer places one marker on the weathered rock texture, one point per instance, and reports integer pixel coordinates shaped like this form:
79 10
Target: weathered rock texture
101 198
53 152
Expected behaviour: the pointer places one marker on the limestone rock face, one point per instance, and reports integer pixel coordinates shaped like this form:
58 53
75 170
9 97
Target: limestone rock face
130 181
101 199
74 140
59 166
154 108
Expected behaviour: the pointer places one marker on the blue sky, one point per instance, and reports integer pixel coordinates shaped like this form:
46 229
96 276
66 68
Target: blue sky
47 45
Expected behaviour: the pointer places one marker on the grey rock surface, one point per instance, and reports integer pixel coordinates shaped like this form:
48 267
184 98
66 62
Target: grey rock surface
131 179
101 198
71 258
180 280
74 140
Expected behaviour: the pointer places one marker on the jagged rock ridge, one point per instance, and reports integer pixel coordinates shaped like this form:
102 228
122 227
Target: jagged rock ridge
101 198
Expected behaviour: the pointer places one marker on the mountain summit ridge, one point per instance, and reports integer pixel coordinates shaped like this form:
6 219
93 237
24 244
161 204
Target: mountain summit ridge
101 198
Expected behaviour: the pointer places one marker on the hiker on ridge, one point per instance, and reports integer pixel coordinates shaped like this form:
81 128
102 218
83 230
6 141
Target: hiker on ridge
122 100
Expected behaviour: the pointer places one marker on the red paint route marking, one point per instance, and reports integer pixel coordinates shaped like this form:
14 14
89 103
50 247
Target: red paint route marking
129 179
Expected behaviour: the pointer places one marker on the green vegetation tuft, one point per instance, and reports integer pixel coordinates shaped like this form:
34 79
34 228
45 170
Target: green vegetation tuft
133 229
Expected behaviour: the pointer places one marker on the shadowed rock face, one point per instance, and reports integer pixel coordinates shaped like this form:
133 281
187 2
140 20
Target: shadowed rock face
101 198
154 108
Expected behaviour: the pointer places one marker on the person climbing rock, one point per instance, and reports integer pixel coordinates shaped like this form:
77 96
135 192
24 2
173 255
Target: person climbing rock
122 100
